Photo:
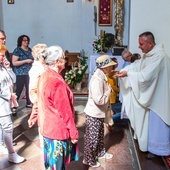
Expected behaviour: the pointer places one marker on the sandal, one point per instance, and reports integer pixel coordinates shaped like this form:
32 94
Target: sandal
96 165
106 156
14 111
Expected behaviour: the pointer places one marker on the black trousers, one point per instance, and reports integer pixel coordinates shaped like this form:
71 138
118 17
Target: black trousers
22 81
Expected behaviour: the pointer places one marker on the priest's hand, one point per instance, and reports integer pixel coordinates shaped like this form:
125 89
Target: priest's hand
122 74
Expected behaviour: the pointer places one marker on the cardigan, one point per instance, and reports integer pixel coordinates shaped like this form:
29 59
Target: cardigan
99 94
7 78
55 107
113 81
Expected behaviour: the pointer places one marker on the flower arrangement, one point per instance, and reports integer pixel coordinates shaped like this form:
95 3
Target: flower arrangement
99 45
77 73
103 42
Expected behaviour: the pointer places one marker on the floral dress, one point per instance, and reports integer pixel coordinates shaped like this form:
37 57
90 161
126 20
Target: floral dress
58 153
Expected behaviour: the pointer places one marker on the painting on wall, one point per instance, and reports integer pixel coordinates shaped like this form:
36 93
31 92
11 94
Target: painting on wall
105 13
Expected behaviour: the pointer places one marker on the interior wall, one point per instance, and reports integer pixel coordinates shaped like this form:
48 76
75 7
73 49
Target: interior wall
1 15
43 22
55 22
149 16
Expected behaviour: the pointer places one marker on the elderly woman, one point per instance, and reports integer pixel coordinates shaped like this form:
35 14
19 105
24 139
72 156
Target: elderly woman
56 112
96 108
38 67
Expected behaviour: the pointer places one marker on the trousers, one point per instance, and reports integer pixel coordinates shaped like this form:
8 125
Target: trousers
7 136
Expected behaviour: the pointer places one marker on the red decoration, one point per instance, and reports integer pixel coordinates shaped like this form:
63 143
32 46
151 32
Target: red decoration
105 12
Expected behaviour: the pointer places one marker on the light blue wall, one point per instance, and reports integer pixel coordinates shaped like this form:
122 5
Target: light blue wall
55 22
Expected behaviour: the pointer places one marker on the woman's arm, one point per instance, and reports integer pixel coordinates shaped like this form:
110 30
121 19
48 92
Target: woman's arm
16 62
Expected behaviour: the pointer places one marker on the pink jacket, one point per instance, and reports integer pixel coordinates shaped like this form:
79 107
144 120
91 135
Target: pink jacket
55 107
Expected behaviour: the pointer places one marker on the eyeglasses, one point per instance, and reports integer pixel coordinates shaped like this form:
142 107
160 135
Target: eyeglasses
3 39
25 40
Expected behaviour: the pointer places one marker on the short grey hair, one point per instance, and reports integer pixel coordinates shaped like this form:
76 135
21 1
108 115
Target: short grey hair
54 53
125 54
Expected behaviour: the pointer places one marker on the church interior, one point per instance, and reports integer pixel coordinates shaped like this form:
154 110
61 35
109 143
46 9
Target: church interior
77 25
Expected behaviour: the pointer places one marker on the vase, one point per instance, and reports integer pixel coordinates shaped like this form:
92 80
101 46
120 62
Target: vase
77 87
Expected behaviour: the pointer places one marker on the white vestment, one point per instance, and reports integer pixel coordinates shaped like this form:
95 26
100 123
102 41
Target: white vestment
147 87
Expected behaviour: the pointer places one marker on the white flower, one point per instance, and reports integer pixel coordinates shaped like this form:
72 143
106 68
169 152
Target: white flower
79 72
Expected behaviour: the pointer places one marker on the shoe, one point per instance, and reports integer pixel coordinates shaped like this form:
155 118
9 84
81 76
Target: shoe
29 105
94 166
14 111
15 158
14 143
106 156
151 156
3 150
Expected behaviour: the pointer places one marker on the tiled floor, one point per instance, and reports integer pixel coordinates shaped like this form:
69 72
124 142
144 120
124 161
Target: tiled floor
28 144
118 142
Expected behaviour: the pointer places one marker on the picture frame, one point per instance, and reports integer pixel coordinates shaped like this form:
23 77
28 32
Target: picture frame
10 1
105 12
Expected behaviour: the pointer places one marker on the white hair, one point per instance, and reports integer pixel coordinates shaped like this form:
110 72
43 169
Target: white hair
53 53
39 51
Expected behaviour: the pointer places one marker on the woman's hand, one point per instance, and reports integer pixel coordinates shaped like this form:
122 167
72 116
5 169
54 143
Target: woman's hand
13 96
109 87
31 123
29 61
6 63
74 141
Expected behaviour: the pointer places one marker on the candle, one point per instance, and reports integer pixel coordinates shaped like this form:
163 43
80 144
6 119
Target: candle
101 33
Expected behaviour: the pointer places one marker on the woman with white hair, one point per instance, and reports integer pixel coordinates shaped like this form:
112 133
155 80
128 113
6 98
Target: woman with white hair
56 113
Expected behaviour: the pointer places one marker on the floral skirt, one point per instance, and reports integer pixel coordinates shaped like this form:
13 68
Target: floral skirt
59 153
94 139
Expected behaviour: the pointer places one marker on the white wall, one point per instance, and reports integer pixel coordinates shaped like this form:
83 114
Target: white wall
43 22
54 22
150 15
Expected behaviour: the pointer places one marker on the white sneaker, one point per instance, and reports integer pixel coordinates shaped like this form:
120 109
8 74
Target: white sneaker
106 156
3 149
96 165
15 158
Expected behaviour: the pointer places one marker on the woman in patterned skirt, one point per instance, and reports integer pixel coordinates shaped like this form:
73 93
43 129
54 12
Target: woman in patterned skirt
96 108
